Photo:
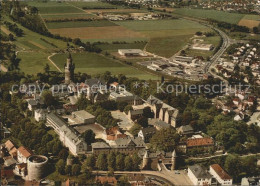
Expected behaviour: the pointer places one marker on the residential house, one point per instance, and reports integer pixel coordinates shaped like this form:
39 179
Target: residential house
205 144
185 130
23 154
222 177
40 115
199 175
250 181
104 180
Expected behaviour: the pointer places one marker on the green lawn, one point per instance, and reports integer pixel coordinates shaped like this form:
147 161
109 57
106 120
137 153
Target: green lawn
33 62
54 7
210 14
77 24
93 64
154 25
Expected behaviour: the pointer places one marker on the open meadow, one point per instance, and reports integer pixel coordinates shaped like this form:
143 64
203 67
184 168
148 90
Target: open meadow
93 64
250 21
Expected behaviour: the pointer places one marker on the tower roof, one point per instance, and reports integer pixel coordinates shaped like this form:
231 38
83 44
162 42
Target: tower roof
174 153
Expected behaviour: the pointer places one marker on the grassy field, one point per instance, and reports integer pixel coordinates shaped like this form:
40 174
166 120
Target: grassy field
54 7
252 17
34 62
93 64
115 47
210 14
78 24
153 25
167 46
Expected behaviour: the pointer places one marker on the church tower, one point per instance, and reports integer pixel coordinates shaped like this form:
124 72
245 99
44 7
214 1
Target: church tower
146 161
174 156
69 70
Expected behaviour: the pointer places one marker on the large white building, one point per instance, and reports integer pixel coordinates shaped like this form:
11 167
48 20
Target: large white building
68 135
131 52
198 175
81 117
220 175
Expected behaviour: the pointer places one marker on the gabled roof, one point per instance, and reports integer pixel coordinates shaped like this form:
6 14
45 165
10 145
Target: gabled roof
222 174
9 145
199 142
25 152
199 172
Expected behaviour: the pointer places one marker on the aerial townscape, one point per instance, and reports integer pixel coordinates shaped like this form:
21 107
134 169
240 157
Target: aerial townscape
130 92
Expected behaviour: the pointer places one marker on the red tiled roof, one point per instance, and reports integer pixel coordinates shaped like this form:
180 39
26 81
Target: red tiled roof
199 142
222 174
103 179
25 152
13 152
22 165
9 145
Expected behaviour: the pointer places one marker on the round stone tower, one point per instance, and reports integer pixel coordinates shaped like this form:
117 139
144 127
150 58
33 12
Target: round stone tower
69 70
174 156
36 166
146 160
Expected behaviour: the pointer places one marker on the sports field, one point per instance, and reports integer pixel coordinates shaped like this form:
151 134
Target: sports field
233 18
93 64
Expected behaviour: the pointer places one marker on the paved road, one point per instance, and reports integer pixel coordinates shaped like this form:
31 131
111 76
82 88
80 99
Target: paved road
169 177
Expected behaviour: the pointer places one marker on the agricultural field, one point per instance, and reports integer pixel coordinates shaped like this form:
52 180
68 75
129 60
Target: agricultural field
115 47
54 7
98 33
93 5
67 16
79 24
166 37
250 21
233 18
93 64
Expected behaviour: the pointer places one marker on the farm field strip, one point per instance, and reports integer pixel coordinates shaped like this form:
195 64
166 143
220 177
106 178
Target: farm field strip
78 24
233 18
108 32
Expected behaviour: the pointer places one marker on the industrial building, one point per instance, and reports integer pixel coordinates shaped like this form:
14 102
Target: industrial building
131 52
200 46
81 117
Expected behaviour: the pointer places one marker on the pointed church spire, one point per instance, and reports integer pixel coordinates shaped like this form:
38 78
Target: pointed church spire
174 154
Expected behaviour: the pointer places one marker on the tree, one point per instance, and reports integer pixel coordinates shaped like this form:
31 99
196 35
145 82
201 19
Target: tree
101 163
60 166
63 154
255 30
135 129
120 162
11 37
68 169
111 160
47 68
165 139
128 108
82 103
143 121
121 105
89 136
128 163
147 112
233 166
48 98
136 160
75 170
89 163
